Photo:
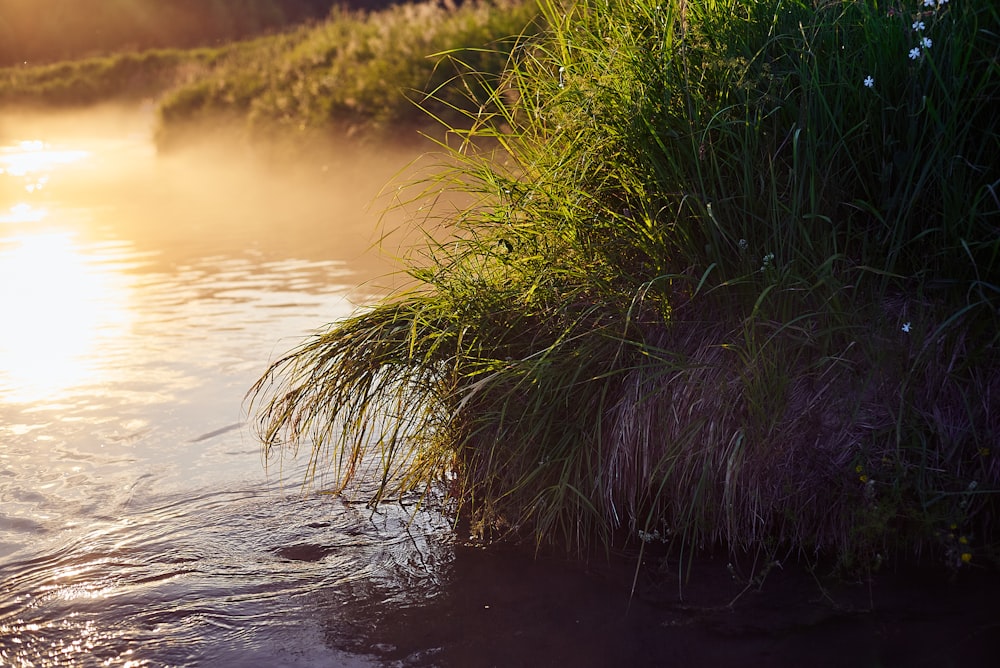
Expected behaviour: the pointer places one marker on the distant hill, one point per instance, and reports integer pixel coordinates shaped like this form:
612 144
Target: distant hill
39 31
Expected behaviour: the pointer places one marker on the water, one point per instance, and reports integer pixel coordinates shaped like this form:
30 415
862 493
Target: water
140 296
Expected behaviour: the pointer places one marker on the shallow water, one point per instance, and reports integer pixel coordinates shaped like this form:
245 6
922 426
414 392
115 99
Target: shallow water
141 295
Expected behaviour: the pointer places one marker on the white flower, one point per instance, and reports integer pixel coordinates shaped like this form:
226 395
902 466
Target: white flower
918 25
869 82
906 327
926 42
930 3
914 53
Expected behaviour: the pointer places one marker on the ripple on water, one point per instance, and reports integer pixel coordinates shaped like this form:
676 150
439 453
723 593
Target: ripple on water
241 577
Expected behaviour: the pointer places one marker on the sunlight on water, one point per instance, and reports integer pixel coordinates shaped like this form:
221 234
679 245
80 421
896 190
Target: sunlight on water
140 296
30 164
28 158
23 213
59 305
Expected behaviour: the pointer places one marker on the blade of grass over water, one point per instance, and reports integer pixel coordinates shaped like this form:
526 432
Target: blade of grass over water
728 279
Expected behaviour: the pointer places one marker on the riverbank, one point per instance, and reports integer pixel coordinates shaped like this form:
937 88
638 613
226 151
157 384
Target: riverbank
377 75
724 285
702 290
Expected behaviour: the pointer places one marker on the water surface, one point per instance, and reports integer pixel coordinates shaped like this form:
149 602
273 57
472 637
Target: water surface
141 295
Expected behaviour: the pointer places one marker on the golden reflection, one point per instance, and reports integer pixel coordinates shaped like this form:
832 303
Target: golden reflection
23 213
60 304
27 158
30 164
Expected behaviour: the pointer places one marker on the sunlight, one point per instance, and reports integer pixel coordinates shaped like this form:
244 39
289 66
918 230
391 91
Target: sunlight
60 303
23 213
30 157
30 163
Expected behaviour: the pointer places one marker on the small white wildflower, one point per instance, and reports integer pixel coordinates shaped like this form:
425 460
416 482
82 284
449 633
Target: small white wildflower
767 260
918 25
930 3
914 53
648 537
926 42
906 327
869 82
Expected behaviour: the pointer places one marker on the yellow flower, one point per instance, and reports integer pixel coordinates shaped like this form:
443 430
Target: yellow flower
966 557
963 540
863 478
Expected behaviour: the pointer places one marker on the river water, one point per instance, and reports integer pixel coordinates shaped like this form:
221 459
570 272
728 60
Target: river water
140 296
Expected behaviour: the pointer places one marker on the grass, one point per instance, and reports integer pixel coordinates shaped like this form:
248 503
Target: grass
360 73
121 77
712 287
54 30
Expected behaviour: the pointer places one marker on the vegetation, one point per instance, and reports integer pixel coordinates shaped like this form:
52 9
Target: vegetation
355 72
731 278
43 31
120 77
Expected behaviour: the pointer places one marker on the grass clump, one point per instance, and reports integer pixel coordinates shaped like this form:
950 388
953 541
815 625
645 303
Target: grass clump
356 72
732 277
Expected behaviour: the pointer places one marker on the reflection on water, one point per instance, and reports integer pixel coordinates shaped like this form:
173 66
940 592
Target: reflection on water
140 297
62 305
29 163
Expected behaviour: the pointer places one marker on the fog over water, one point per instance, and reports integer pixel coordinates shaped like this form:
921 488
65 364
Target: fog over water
140 296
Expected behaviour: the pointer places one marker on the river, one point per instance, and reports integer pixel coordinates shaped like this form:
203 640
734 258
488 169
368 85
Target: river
140 297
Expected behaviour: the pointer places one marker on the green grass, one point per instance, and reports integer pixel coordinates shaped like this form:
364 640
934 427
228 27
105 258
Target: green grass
364 74
711 285
121 77
361 74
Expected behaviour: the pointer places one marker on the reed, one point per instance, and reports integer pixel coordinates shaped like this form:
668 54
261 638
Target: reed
729 278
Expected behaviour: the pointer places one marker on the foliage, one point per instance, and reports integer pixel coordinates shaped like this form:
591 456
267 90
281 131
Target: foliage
355 71
127 76
732 277
44 31
359 73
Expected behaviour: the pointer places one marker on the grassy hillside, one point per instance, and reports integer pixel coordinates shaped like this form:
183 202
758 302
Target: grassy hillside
358 73
733 280
43 31
355 72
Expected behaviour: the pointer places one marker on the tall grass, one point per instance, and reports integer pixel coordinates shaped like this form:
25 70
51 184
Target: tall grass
358 73
731 277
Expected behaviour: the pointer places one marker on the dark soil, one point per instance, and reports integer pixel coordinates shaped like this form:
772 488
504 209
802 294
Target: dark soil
502 608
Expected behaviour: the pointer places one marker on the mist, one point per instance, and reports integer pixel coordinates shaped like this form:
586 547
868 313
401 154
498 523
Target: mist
336 202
